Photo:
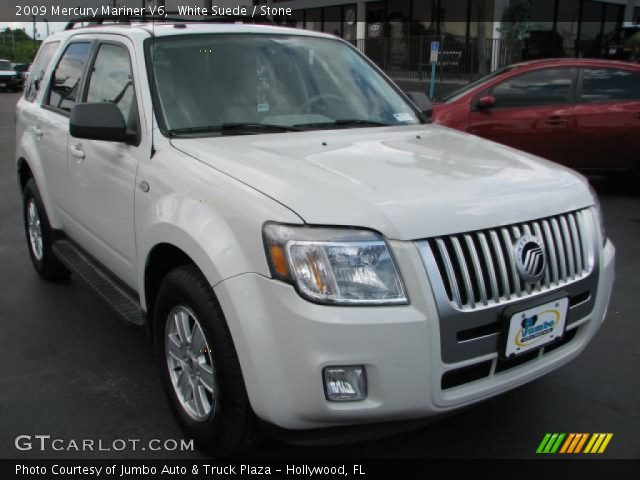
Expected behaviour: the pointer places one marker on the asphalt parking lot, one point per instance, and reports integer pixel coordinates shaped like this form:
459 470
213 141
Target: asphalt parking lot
71 370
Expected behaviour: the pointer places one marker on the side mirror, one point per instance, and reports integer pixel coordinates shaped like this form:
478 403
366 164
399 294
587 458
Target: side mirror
421 101
99 121
486 101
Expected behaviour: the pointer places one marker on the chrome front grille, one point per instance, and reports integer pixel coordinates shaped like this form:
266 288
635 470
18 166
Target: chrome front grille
478 268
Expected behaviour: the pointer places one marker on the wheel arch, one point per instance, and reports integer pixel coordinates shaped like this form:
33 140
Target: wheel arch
24 172
29 167
161 259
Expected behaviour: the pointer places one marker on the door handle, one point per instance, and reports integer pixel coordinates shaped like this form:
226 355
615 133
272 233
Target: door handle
557 121
76 151
37 132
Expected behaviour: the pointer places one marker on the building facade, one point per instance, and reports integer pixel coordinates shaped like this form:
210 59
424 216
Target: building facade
558 27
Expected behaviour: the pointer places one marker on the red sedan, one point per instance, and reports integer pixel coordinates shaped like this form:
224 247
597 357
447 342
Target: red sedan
582 113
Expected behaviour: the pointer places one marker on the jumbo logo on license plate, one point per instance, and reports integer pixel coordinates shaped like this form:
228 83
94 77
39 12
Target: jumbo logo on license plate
536 326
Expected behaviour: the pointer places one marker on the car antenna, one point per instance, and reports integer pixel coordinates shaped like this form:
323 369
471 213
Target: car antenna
153 38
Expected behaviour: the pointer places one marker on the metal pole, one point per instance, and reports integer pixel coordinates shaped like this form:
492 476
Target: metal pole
432 85
34 35
420 54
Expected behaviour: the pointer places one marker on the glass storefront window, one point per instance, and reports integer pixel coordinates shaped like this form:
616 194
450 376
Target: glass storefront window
613 16
375 16
590 31
332 23
423 13
542 12
487 18
559 28
568 26
313 19
296 19
451 14
349 22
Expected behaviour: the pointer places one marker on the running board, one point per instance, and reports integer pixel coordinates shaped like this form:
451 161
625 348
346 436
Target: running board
101 282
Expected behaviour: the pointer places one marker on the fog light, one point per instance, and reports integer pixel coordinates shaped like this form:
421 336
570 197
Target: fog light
345 384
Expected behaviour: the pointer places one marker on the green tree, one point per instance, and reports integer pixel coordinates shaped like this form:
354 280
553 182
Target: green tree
17 46
516 20
514 28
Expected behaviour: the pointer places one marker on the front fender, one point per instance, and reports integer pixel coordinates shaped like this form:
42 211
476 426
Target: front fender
214 219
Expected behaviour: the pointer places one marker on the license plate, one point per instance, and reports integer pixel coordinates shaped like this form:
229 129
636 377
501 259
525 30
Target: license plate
612 51
535 327
2 85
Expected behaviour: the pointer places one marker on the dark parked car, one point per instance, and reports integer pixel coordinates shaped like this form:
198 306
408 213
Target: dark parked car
582 113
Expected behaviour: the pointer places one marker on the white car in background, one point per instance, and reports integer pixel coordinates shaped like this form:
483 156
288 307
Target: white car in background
307 250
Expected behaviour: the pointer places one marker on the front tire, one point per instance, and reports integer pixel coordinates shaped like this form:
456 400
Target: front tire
200 369
40 235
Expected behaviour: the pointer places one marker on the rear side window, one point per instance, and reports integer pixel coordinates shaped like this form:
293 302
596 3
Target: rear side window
551 86
67 76
38 70
609 85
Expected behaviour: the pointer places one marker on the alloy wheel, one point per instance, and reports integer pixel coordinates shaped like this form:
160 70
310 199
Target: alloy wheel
190 364
35 229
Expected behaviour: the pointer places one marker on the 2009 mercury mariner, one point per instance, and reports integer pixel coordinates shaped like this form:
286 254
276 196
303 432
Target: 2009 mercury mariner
306 249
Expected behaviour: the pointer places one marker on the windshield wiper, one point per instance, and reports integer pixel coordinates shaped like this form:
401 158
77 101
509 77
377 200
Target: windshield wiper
233 127
347 122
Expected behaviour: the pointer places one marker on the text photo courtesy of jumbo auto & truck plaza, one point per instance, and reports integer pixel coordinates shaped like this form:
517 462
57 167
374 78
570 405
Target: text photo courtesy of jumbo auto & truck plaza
319 238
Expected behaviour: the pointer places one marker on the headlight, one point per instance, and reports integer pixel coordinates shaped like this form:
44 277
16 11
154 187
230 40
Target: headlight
336 266
600 217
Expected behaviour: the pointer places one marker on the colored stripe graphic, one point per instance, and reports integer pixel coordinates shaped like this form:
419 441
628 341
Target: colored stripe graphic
550 443
581 443
567 443
544 441
598 442
575 442
555 447
553 443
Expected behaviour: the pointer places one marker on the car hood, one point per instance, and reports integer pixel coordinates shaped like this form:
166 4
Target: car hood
406 182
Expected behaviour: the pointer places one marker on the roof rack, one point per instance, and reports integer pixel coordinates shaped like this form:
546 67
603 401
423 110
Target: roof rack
127 19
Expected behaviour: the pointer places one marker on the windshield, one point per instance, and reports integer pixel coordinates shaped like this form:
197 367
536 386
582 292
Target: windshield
452 97
250 83
5 65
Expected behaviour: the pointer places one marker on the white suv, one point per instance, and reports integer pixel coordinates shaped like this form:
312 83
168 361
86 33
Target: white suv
305 248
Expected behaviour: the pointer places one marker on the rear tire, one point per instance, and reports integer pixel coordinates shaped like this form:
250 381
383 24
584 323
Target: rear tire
40 235
200 369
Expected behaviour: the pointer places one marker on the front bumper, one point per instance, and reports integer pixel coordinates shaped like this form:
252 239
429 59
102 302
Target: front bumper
9 83
284 342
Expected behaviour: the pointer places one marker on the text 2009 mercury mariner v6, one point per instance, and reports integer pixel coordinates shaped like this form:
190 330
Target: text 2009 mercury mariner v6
307 250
